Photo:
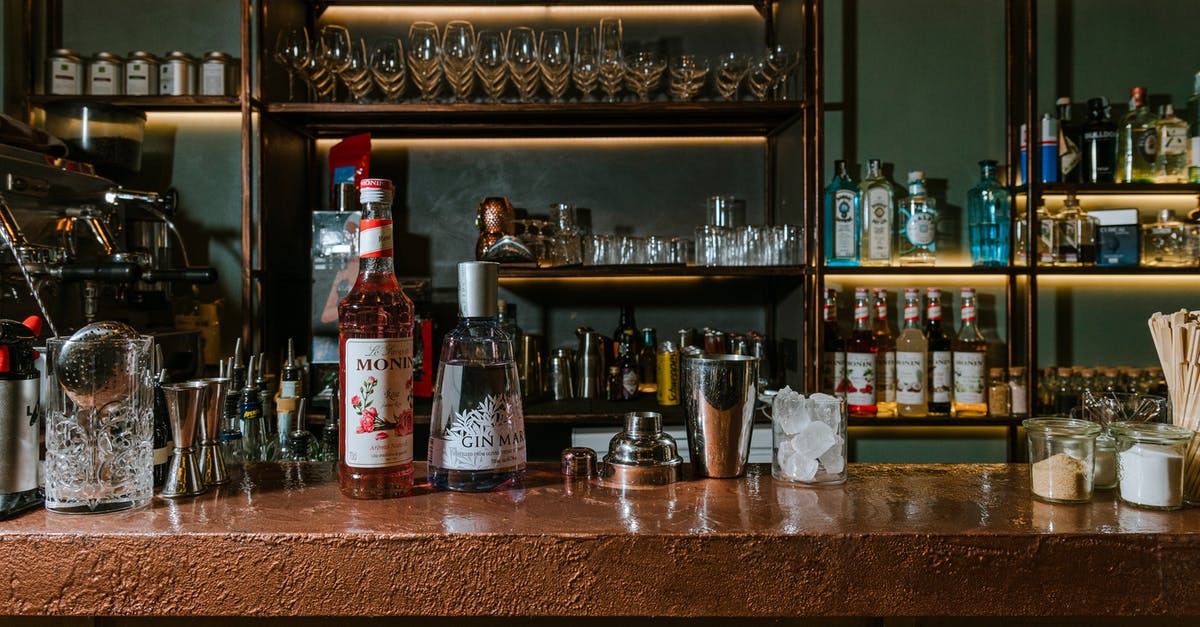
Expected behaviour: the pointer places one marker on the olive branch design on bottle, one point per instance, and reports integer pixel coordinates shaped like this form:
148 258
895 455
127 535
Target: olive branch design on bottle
479 421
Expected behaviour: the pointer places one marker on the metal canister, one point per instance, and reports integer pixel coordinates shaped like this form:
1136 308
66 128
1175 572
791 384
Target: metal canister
141 74
177 74
562 374
219 74
64 73
104 75
668 373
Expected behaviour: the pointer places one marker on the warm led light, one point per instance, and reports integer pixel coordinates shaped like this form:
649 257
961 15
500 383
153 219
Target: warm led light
214 120
441 13
1140 282
914 280
883 431
461 143
612 280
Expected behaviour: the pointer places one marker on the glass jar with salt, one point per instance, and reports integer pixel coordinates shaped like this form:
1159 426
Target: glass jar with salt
808 438
1061 457
1150 463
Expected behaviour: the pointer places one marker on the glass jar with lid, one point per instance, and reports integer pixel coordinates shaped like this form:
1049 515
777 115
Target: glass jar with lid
1150 463
1061 457
1169 243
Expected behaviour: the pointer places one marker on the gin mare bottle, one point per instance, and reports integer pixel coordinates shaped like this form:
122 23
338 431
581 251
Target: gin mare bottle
918 226
477 426
878 209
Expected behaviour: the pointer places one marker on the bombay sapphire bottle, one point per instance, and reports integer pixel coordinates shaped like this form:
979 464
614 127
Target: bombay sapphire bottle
988 217
842 199
477 428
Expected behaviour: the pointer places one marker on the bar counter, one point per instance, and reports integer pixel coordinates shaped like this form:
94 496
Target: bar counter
896 540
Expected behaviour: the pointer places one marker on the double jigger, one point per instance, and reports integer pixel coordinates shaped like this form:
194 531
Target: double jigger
195 406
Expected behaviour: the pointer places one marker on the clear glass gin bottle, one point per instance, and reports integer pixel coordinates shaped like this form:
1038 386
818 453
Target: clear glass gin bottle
1077 235
1169 243
878 201
918 224
988 217
1193 114
477 427
1137 141
841 230
1171 160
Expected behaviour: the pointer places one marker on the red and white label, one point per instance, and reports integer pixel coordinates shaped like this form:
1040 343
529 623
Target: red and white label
911 312
968 313
375 238
860 312
935 311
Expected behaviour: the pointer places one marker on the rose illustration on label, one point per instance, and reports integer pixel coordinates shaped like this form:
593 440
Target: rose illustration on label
369 419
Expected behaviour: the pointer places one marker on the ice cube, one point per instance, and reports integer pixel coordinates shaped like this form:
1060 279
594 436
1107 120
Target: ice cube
790 411
828 412
800 468
820 397
832 460
814 439
785 451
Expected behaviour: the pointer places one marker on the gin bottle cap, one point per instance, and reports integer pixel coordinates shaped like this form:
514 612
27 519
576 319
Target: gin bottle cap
477 286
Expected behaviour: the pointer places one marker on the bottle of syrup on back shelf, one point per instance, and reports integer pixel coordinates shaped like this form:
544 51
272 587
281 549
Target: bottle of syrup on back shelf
940 363
375 326
861 350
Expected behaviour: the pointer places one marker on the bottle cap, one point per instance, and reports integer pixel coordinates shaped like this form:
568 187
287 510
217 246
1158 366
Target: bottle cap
934 292
996 373
879 290
912 292
376 191
968 292
1062 100
477 286
916 176
860 292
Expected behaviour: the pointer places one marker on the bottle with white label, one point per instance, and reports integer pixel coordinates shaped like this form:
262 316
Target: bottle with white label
375 328
1193 114
911 393
1171 160
833 345
918 224
841 219
878 208
885 359
477 428
939 381
970 362
861 349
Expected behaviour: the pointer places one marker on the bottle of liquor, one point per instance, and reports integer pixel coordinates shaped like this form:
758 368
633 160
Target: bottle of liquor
841 219
1099 144
1048 235
1077 235
833 345
648 361
911 347
1137 141
1171 160
918 224
506 313
375 327
1194 132
970 362
988 218
162 428
861 350
625 334
477 432
878 201
1070 139
885 358
628 362
941 366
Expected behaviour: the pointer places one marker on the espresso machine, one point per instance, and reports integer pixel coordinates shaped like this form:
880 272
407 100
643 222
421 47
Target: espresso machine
76 248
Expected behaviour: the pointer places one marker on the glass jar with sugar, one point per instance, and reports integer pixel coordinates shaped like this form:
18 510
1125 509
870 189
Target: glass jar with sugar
1150 463
1061 458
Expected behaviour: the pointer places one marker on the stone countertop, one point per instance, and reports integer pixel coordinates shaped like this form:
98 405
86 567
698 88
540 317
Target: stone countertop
895 540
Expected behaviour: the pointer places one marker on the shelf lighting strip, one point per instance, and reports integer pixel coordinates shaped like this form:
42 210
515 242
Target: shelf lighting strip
462 143
440 13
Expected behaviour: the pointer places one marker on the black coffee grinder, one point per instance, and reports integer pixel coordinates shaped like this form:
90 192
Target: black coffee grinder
20 417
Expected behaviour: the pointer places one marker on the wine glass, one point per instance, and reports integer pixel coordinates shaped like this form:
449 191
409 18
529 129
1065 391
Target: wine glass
643 72
357 74
760 78
388 68
612 60
491 63
585 69
555 62
335 50
784 61
731 69
291 51
320 81
523 61
688 72
458 57
424 58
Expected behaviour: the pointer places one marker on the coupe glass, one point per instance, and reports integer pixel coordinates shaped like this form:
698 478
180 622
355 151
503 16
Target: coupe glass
291 51
612 58
388 68
523 61
556 63
586 67
335 51
458 58
424 58
731 69
491 63
643 72
688 72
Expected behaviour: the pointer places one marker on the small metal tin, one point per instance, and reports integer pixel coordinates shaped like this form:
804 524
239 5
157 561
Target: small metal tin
141 74
578 462
64 73
104 75
219 74
177 74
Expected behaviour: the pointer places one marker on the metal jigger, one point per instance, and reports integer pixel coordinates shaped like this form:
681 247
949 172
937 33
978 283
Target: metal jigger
185 403
212 461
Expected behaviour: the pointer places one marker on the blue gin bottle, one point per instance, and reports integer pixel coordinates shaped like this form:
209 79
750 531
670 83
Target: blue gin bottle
477 426
842 198
988 212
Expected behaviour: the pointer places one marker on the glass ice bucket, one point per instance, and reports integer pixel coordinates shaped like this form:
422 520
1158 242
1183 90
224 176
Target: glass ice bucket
99 424
808 443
